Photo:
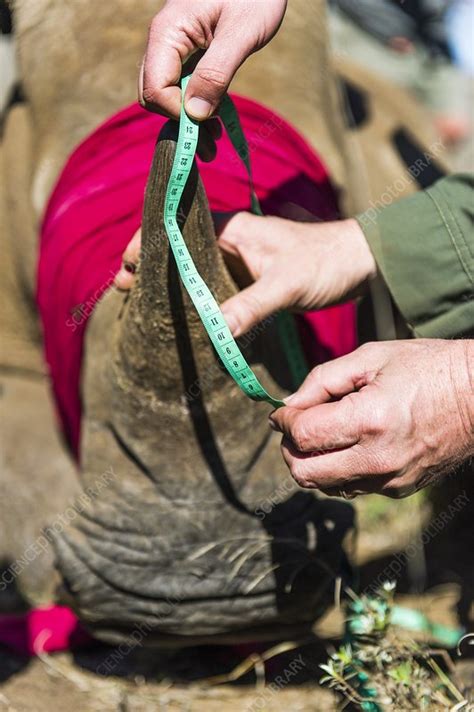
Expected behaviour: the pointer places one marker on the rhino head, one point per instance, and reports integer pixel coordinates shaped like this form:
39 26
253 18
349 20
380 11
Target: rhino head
200 533
199 530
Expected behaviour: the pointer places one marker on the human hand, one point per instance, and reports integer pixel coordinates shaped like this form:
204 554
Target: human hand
390 418
292 265
298 265
228 32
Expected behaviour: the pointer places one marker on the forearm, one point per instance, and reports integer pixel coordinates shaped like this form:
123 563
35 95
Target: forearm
424 248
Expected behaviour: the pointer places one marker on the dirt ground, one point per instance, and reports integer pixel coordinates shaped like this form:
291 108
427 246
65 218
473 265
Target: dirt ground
225 679
59 681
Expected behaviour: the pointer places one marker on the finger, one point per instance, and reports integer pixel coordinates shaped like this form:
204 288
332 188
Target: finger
213 75
164 100
339 470
337 378
357 487
241 227
238 270
235 230
253 304
167 50
244 255
132 251
232 257
125 276
354 471
330 426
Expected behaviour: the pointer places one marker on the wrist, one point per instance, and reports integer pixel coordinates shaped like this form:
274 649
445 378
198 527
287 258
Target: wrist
364 261
343 262
358 255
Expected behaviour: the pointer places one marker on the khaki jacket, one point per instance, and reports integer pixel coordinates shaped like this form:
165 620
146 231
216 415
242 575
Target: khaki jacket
424 248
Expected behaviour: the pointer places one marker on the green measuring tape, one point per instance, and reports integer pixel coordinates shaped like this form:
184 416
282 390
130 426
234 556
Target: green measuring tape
202 298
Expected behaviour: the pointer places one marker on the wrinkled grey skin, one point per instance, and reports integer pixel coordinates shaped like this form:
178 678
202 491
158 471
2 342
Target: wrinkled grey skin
197 532
179 542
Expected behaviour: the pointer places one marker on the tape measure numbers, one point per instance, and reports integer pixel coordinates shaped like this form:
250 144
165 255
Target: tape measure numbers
202 298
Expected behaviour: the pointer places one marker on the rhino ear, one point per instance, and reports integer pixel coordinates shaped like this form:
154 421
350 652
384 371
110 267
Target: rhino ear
158 304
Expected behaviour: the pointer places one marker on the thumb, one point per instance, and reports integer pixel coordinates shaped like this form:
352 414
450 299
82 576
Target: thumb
212 76
335 379
252 305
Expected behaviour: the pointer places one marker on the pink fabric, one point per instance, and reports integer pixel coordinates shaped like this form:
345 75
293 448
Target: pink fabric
96 207
42 630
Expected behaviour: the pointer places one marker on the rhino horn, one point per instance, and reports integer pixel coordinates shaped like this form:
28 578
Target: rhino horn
159 318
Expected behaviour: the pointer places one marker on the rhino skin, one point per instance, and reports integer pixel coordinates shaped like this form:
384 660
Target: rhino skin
180 540
180 543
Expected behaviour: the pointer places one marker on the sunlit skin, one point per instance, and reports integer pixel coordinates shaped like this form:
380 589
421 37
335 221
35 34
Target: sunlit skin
388 418
228 31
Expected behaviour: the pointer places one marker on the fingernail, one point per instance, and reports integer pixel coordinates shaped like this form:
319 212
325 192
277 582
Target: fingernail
231 321
198 108
129 267
272 424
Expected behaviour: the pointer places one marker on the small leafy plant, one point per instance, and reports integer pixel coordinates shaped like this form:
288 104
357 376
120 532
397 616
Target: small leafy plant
377 671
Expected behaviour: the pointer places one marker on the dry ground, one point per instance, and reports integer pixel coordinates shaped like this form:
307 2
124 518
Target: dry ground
145 680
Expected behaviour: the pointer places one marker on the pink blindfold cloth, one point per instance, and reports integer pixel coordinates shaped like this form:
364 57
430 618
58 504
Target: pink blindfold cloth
42 630
96 207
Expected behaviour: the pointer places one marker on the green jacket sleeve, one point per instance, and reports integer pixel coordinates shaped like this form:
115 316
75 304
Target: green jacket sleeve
424 248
